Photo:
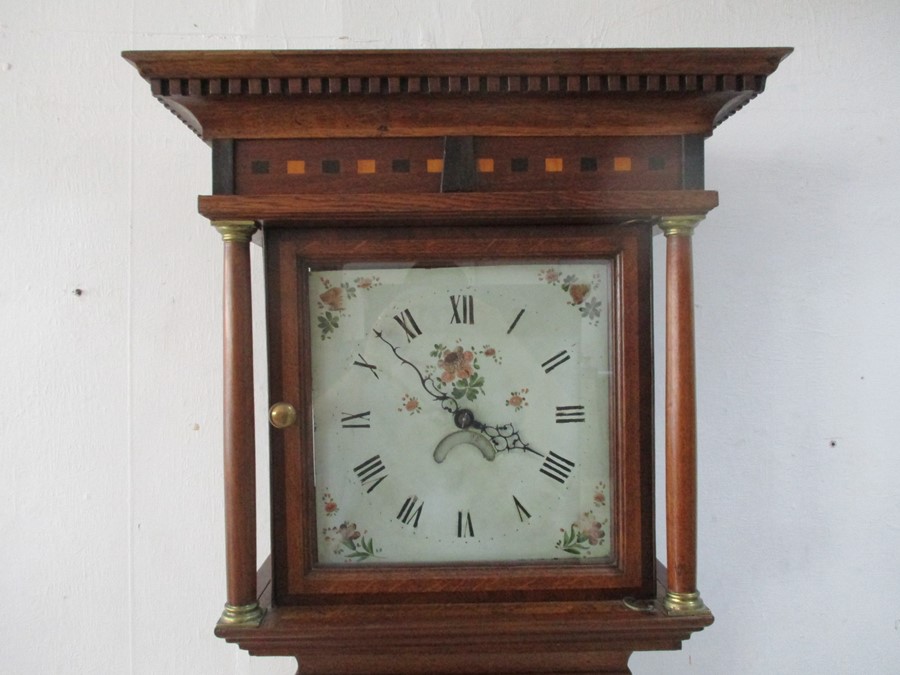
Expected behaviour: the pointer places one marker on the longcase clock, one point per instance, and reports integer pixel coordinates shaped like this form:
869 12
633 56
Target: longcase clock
459 317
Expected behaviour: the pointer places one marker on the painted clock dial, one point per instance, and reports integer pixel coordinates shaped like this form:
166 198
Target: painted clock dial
461 414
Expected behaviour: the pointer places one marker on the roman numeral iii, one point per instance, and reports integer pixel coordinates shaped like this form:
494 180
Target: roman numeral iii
463 309
408 324
566 414
371 473
557 467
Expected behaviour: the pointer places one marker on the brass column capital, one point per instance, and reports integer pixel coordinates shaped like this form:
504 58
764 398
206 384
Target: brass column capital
679 225
238 231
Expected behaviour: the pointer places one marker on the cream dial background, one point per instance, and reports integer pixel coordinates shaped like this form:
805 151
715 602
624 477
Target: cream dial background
381 496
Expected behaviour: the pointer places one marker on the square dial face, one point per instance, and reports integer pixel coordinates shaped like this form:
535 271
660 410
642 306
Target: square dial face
462 414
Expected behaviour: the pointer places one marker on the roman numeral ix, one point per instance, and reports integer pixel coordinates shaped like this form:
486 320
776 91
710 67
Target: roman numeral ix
357 421
371 473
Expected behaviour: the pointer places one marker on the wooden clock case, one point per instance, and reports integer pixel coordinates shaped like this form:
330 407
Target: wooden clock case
387 152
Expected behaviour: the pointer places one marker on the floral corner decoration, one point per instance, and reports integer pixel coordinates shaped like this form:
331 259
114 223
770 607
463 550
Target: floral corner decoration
588 531
578 291
346 539
333 302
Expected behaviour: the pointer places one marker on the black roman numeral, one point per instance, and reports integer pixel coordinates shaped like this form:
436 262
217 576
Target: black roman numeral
463 309
408 324
357 421
411 511
464 525
365 364
556 360
371 473
521 510
566 414
515 321
557 467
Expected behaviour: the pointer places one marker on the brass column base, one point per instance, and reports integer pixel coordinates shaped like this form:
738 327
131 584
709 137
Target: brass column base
684 604
244 616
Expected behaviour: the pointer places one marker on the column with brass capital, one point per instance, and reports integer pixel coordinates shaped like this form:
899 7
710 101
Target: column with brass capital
681 420
241 607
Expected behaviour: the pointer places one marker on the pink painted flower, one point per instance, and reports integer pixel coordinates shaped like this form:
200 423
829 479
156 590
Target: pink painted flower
591 529
409 404
333 298
364 282
348 531
330 507
457 364
578 292
600 498
517 400
550 276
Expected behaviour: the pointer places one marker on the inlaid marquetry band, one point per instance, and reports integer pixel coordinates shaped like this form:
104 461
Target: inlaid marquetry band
679 225
237 231
684 603
242 615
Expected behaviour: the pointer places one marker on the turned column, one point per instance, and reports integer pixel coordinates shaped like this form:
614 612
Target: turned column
681 419
239 446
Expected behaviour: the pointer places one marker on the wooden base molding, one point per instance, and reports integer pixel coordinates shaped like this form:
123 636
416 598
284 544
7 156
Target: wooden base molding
520 638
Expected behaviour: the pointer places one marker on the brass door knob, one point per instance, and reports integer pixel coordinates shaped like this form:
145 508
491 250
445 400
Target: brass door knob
282 415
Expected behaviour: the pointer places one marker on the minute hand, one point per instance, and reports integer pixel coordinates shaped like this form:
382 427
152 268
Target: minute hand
504 437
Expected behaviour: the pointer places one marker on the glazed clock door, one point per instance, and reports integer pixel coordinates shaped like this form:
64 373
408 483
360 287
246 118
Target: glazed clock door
461 413
471 401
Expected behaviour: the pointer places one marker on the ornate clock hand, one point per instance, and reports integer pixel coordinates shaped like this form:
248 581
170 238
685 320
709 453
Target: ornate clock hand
448 403
504 437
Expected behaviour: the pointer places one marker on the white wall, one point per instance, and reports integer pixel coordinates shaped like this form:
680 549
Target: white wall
111 535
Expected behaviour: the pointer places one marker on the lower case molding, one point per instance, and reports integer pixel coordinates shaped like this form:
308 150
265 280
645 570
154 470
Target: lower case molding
521 638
